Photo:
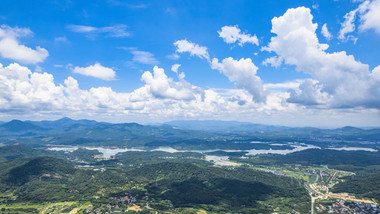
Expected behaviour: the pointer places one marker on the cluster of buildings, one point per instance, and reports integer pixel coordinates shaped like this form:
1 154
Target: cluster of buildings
127 199
116 205
343 206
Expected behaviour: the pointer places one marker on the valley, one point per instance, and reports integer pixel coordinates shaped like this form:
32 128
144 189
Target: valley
229 173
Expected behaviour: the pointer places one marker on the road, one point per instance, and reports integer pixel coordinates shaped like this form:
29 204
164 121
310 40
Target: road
312 189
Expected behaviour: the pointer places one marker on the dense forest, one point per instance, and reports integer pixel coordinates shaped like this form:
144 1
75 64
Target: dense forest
170 184
365 184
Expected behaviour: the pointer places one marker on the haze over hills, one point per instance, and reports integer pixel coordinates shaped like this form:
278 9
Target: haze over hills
205 125
88 130
245 127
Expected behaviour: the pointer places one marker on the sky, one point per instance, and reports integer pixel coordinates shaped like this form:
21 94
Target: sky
294 63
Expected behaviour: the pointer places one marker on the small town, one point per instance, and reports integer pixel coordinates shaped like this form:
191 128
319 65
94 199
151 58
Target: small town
343 206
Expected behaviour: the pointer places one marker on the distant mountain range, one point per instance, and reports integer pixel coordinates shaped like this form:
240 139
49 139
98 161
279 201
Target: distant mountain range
89 132
18 125
205 125
245 127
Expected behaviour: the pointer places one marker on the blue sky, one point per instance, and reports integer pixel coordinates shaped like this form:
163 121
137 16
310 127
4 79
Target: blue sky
256 61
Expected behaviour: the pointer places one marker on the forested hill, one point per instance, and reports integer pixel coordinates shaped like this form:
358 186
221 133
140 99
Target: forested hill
46 179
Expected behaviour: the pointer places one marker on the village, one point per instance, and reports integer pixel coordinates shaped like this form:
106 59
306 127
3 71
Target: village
348 207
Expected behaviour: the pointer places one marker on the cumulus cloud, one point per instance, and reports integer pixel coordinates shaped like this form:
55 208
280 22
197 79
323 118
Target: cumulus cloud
325 32
309 93
232 34
183 46
22 90
97 71
24 94
370 18
162 86
345 81
117 31
10 47
243 74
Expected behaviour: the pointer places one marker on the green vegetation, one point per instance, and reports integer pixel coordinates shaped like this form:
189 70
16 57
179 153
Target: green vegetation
366 184
167 185
22 151
34 179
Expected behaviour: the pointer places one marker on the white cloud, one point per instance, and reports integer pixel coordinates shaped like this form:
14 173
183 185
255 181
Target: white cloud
117 31
368 12
61 39
82 28
243 74
161 86
22 90
232 34
97 71
325 32
144 57
343 80
11 49
174 56
28 95
370 18
348 26
294 84
193 49
38 69
274 61
309 93
375 74
175 68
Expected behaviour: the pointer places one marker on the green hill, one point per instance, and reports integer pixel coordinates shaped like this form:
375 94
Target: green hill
36 167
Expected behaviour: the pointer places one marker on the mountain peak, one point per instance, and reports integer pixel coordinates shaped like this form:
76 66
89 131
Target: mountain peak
65 119
18 125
